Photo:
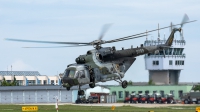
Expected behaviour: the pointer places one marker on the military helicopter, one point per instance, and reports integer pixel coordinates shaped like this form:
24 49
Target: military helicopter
106 63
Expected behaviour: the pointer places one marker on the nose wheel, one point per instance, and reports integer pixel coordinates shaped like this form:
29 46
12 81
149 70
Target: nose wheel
124 84
92 85
80 92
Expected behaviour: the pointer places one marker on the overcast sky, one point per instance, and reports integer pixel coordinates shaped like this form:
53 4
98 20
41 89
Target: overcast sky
81 21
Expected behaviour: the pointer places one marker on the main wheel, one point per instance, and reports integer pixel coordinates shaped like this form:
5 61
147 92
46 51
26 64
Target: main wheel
124 84
92 85
186 102
198 101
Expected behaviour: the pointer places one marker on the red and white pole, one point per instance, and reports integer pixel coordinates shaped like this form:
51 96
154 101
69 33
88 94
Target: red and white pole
56 104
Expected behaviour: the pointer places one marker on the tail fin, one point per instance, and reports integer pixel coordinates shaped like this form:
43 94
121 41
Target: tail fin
171 37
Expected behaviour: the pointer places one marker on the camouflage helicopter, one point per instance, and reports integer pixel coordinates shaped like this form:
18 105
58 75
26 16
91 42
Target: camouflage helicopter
106 63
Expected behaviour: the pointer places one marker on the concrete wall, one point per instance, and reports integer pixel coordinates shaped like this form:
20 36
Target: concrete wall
159 76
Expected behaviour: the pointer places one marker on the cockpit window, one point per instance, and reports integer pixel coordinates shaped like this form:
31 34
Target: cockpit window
81 74
69 73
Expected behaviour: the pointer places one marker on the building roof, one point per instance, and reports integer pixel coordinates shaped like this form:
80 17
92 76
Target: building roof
20 73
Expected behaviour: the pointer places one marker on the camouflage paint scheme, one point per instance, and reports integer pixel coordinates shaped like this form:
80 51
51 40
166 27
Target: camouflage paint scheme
109 64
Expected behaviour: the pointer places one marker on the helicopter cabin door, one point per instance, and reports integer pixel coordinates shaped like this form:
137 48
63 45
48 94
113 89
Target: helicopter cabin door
82 77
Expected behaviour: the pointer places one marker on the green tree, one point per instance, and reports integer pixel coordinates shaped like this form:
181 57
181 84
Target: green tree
130 82
4 82
197 87
151 82
14 82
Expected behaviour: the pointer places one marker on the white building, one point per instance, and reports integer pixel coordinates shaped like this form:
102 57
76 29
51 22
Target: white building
97 89
29 78
165 67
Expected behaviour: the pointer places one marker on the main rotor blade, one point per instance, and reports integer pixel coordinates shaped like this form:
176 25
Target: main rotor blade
104 30
58 46
49 42
117 40
185 19
156 29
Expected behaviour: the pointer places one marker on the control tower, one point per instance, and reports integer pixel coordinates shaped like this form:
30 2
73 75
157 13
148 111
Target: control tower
165 69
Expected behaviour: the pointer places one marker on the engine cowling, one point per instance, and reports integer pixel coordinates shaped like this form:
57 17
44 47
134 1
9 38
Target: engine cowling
103 52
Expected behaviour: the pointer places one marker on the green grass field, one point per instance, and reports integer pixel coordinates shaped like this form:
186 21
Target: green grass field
73 108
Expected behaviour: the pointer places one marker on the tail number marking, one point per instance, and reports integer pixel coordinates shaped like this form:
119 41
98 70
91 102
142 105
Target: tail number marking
139 51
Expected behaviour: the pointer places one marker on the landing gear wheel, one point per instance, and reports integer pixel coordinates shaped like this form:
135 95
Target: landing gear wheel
92 85
124 84
68 88
81 92
92 78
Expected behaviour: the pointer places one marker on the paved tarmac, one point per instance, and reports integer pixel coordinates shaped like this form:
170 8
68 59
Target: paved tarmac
118 104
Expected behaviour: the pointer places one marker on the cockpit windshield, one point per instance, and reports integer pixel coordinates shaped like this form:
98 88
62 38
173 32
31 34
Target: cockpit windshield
69 73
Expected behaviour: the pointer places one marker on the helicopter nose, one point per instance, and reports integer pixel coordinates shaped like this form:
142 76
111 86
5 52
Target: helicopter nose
69 81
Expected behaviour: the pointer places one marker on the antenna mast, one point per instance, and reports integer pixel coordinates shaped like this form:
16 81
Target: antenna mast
146 35
158 31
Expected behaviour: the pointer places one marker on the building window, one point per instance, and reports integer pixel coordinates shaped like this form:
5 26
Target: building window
182 62
133 93
139 92
146 92
170 51
31 82
20 82
155 62
172 92
179 62
52 82
114 93
162 93
44 82
126 93
120 94
180 93
39 81
170 62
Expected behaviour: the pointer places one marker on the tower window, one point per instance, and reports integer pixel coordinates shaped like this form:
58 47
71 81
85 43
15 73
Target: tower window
170 62
155 62
120 94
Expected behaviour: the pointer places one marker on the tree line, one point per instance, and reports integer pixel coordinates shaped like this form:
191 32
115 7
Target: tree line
4 82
